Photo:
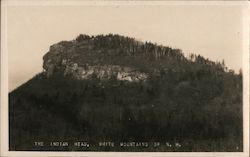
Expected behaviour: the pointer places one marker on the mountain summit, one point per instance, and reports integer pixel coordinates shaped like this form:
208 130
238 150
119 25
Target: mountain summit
111 88
107 56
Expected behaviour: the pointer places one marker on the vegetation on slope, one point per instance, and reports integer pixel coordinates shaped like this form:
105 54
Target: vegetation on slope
194 101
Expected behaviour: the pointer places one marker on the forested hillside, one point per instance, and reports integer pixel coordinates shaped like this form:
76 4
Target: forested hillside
190 100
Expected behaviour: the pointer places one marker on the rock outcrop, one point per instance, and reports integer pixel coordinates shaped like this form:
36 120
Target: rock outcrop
104 72
63 57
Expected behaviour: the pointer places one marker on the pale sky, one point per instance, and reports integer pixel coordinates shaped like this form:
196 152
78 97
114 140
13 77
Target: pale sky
214 31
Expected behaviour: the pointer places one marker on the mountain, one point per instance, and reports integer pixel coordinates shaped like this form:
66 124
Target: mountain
115 88
107 56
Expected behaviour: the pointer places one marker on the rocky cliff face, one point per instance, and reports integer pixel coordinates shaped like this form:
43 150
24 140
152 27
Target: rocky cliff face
109 56
104 72
63 57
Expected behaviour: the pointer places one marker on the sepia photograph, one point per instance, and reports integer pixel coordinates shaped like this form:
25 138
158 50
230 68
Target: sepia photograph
105 76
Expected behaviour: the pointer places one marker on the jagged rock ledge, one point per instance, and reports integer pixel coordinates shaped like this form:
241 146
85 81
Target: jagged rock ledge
104 72
63 55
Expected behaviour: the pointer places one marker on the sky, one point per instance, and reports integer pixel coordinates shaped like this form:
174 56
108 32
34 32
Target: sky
214 31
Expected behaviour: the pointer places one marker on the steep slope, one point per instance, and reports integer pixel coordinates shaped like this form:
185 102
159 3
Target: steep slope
114 88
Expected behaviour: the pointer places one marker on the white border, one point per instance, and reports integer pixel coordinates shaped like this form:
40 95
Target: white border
4 78
116 2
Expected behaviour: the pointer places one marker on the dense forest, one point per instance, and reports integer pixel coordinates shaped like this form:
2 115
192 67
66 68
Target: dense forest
190 100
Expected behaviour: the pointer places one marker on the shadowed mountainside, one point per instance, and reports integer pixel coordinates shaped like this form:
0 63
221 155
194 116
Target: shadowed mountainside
115 88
